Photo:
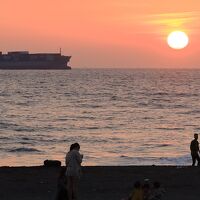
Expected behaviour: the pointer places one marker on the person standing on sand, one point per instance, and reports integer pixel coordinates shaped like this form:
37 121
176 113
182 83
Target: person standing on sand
194 147
73 162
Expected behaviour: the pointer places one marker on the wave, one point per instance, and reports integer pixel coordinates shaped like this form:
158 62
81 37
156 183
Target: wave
171 129
23 104
178 160
92 127
24 129
124 156
161 93
163 145
186 94
4 138
24 149
190 112
5 94
15 127
4 125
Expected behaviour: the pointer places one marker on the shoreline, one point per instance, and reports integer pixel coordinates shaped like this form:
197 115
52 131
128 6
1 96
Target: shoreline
99 182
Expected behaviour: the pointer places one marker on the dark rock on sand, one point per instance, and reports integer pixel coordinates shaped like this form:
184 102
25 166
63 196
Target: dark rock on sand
52 163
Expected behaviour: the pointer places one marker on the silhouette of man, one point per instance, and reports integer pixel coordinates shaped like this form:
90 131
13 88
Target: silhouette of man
194 147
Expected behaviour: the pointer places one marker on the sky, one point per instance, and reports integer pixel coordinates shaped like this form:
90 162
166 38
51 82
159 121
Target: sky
103 33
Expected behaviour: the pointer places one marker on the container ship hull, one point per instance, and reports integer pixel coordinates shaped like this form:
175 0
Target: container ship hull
22 60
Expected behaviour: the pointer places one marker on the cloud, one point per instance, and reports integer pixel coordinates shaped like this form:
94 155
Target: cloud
177 20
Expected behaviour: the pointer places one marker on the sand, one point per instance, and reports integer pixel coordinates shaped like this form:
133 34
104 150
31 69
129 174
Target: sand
99 183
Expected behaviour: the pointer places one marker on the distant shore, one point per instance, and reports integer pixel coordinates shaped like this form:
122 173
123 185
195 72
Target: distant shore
99 183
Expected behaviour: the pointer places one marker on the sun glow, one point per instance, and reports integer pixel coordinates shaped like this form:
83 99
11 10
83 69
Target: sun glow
177 40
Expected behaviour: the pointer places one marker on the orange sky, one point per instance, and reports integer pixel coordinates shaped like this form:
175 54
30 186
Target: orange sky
103 33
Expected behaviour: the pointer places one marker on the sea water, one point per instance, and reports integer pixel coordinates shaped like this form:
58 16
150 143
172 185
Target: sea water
119 116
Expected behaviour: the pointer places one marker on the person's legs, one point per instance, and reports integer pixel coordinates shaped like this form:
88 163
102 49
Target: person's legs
198 159
69 187
75 188
193 159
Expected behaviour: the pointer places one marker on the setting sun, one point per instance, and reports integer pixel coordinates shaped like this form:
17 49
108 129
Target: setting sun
177 40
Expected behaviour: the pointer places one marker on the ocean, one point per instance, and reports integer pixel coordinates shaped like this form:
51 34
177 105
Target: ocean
118 116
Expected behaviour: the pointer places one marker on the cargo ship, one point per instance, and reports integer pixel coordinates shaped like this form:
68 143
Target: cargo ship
40 61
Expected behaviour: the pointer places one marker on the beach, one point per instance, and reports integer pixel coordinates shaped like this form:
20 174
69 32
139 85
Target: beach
99 182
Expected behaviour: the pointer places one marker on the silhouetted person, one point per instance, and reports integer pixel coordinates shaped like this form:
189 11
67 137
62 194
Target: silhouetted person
73 164
194 147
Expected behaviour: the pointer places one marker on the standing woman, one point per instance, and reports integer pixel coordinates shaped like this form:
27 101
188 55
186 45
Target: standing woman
73 162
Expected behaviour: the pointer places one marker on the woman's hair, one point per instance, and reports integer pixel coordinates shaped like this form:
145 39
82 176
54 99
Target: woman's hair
71 147
74 145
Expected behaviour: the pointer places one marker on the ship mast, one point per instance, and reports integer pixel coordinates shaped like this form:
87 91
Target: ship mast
60 51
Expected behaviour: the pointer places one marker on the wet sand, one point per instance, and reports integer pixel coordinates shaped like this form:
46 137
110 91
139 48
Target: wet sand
99 183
